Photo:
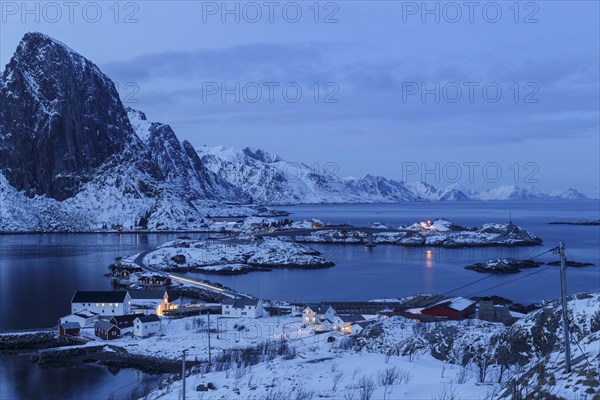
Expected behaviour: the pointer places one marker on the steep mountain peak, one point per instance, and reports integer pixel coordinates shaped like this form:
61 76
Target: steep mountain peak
60 118
261 155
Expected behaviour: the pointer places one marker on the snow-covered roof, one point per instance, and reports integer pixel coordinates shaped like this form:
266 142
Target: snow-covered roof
241 303
456 303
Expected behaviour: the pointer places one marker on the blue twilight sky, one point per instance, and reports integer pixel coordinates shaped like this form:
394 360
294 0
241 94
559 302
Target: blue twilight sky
436 91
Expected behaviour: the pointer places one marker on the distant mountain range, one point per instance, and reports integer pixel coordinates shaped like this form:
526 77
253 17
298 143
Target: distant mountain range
272 180
73 158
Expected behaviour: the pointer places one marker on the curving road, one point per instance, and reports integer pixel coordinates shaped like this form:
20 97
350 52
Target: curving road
139 261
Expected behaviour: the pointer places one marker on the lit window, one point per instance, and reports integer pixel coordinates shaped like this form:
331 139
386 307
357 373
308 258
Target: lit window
96 304
116 304
102 304
110 304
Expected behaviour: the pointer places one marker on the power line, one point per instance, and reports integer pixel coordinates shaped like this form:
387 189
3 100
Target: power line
511 281
490 276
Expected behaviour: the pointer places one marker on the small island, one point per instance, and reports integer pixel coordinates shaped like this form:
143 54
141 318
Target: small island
513 266
504 266
227 256
438 233
583 222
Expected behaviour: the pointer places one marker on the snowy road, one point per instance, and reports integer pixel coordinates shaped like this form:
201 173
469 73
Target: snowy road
139 260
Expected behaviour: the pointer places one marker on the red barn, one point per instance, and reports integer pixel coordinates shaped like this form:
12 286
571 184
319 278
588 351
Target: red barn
455 308
123 321
107 331
69 329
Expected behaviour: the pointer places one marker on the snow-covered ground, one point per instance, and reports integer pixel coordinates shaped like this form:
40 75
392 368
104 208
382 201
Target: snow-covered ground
183 254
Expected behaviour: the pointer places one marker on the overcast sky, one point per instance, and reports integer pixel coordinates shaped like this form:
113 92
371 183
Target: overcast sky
387 87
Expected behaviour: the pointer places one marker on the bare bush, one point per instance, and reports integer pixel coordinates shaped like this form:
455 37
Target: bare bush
389 376
365 388
463 375
337 378
447 393
303 394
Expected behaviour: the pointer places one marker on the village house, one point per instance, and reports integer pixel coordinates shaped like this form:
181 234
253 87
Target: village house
124 272
123 321
69 329
247 308
456 308
315 314
83 318
324 325
103 303
153 280
152 301
107 331
345 323
146 325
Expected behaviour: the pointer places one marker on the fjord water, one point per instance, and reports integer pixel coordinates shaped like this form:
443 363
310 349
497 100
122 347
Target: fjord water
392 271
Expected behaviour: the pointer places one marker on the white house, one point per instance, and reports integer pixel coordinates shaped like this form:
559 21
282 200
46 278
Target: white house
343 323
315 314
83 318
246 308
103 303
324 325
152 301
146 325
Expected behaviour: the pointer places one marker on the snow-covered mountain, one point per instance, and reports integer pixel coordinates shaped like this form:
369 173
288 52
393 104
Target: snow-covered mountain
429 192
271 180
71 160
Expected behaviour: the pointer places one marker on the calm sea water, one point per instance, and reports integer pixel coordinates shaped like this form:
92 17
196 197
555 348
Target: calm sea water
40 273
392 271
22 379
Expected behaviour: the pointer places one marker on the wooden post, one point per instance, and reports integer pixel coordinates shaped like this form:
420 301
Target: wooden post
563 291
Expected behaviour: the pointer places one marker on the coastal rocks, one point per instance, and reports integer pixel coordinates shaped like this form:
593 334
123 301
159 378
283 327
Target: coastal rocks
111 356
504 266
583 222
512 266
569 263
29 341
439 233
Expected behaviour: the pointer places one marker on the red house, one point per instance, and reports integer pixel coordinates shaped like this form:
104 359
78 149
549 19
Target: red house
69 329
107 331
456 308
123 321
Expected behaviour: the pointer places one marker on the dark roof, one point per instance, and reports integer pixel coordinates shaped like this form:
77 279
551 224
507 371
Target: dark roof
107 296
364 324
125 318
318 308
351 318
147 294
241 303
71 325
148 318
105 325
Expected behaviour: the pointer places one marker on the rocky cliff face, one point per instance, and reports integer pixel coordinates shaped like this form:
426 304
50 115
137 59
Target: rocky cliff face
70 158
60 119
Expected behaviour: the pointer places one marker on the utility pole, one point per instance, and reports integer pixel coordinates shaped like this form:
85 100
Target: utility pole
209 357
563 291
183 375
